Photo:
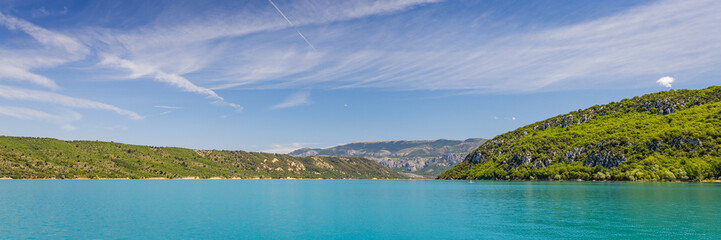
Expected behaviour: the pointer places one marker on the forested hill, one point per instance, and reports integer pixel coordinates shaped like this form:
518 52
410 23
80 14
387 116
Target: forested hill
671 135
23 157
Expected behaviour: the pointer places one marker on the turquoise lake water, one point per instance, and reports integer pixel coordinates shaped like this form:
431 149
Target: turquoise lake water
356 209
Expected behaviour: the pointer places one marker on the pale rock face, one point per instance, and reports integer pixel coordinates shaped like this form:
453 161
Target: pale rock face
427 158
306 152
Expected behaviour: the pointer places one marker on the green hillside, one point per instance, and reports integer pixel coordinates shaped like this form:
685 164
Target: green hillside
672 135
23 157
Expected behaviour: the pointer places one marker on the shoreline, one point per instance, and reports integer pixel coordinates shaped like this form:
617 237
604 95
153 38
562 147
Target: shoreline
580 181
291 178
198 178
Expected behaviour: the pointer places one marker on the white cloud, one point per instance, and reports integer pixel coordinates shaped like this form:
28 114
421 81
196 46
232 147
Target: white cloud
54 49
184 84
167 50
27 113
666 81
62 119
286 148
167 107
44 36
58 99
251 48
513 118
293 100
68 127
137 71
610 50
42 12
23 74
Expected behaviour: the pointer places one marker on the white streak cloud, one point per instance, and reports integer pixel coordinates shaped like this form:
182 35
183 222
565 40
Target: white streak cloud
62 119
622 48
54 50
167 107
293 100
44 36
137 71
168 50
23 74
13 93
257 49
291 24
32 114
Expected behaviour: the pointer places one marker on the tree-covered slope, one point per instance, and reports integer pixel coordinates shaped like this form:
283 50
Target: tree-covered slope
672 135
427 158
23 157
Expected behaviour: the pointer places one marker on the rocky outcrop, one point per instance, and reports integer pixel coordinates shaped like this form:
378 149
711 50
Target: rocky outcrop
306 152
606 159
573 154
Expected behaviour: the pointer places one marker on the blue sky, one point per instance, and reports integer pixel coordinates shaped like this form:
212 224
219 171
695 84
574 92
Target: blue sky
245 75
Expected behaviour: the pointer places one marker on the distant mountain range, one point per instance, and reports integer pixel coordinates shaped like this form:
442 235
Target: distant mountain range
425 158
25 157
666 136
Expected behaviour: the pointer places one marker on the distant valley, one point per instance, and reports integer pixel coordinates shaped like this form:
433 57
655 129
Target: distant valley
419 158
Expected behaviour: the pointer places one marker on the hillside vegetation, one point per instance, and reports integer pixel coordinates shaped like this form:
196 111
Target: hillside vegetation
23 157
672 135
426 158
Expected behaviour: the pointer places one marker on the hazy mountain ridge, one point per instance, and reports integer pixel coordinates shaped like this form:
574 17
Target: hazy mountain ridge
672 135
24 157
422 157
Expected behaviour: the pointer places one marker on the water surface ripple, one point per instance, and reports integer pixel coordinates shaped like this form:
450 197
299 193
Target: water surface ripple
356 209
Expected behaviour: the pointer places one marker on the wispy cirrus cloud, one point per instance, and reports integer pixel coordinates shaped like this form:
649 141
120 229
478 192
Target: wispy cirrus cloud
294 100
167 107
63 118
43 12
53 50
167 50
137 71
13 93
50 49
20 73
44 36
255 48
32 114
601 52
